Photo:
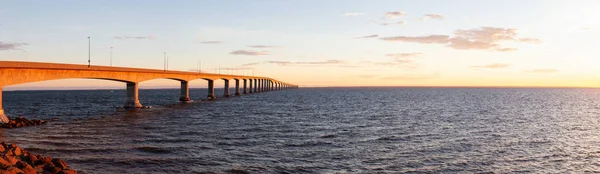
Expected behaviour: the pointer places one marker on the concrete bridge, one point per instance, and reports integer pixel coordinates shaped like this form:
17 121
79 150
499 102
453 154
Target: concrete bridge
13 73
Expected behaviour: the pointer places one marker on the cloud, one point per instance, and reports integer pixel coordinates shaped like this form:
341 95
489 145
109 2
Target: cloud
151 37
289 63
251 64
365 37
542 71
262 46
250 53
212 42
506 49
483 38
353 14
389 23
11 46
404 55
394 14
493 66
433 16
431 39
530 40
412 77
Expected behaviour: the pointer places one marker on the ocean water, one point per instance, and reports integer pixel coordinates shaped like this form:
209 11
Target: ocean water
317 130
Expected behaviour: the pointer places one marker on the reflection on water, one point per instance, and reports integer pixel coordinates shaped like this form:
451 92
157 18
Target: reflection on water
318 130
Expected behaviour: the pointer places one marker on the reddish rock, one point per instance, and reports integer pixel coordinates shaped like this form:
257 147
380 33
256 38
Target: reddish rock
11 170
17 160
17 151
29 170
59 163
12 160
4 163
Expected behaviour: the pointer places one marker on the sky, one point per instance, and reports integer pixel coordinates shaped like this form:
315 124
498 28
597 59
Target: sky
315 43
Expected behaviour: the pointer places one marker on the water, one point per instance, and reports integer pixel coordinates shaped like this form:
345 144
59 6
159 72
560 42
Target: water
318 130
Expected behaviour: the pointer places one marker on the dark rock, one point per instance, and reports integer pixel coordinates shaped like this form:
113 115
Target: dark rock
29 159
21 164
59 163
51 168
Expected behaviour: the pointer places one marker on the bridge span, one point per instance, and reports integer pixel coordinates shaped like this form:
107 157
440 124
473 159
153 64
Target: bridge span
13 73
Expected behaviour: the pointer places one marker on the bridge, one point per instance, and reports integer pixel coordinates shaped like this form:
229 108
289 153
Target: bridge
13 73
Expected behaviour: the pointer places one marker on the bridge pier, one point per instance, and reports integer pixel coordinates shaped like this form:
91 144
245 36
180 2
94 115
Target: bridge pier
245 87
3 118
261 85
211 90
226 89
250 86
185 92
255 85
237 87
132 101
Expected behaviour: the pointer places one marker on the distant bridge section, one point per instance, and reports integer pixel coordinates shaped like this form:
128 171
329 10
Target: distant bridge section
14 73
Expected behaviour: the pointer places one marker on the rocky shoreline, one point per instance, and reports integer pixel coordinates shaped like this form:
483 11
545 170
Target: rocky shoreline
22 122
14 159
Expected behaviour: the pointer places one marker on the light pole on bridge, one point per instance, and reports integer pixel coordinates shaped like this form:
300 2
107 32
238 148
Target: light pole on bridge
111 48
89 51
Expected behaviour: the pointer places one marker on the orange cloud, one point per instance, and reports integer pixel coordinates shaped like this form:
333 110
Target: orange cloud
431 39
483 38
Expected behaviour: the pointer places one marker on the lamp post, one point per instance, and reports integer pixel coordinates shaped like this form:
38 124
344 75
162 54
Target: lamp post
89 51
111 48
165 62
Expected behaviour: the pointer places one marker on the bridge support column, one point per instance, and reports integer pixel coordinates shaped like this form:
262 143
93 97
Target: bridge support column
250 86
237 87
261 85
245 87
226 89
132 101
3 118
211 90
185 92
255 85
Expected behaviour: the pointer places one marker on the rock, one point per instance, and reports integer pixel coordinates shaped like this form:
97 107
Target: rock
17 160
17 151
51 168
67 171
4 163
59 163
12 160
11 170
21 164
28 158
29 170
